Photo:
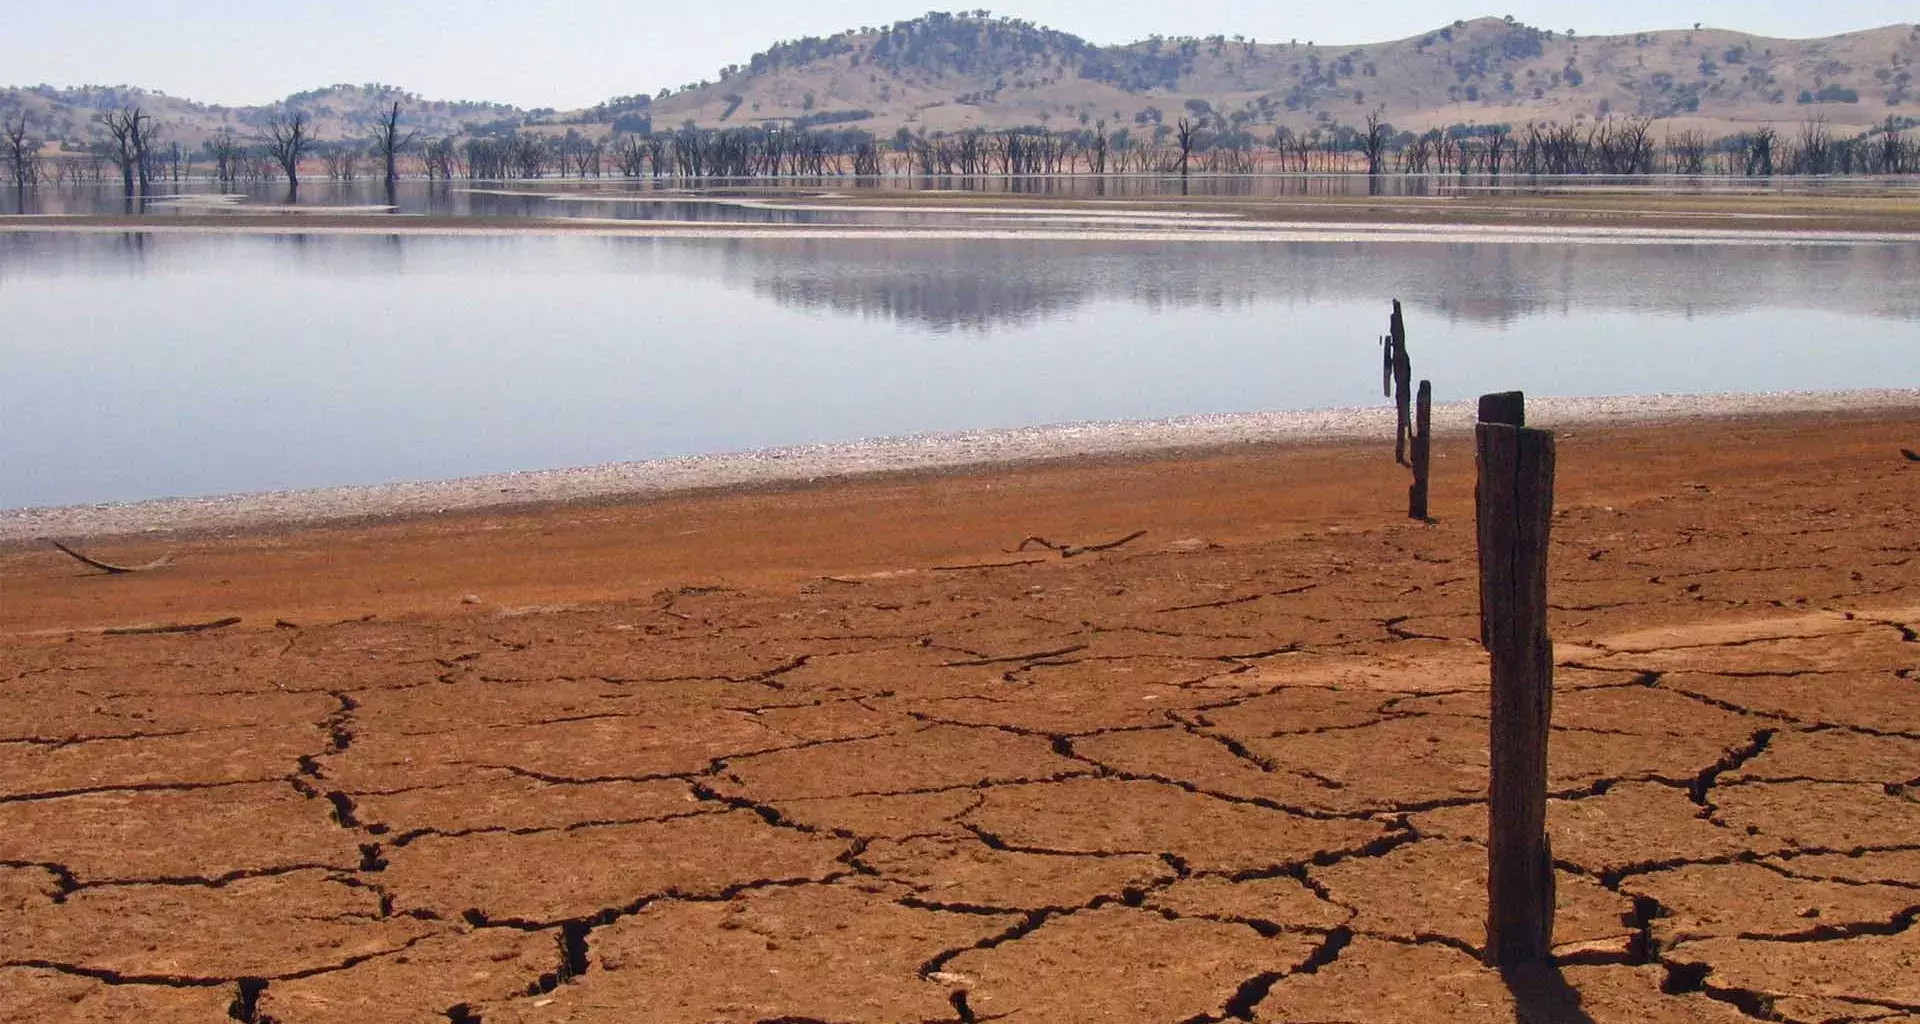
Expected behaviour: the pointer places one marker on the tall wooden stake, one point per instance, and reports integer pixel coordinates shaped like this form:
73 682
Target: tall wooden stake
1515 513
1422 452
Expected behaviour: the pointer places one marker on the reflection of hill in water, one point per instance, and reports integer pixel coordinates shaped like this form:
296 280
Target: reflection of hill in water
984 285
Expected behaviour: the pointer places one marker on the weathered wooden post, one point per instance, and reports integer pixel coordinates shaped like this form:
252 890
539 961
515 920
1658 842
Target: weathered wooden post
1510 408
1422 452
1400 365
1515 500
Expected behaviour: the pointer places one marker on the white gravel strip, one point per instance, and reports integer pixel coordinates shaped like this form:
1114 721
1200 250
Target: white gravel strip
1107 231
880 455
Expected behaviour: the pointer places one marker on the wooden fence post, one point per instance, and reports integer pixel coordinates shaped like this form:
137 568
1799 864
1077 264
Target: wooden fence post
1422 452
1402 368
1509 407
1515 501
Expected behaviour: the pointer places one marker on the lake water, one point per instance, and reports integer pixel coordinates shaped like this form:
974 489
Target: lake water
721 199
151 365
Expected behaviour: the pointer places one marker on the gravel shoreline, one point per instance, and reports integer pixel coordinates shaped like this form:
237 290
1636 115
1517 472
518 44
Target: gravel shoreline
915 453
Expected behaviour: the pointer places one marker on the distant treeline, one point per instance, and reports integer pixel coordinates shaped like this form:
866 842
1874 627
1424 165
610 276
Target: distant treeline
1610 146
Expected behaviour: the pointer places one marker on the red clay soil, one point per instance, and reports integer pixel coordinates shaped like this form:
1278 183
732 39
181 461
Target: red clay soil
850 752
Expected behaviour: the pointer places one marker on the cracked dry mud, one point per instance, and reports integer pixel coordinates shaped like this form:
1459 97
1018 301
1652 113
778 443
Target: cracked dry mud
1234 770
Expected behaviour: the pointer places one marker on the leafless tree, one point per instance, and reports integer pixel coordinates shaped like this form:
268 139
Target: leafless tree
866 160
1418 154
343 162
1097 148
1498 146
134 133
1816 148
1375 142
21 152
439 159
1688 150
629 156
1186 134
288 139
226 153
388 142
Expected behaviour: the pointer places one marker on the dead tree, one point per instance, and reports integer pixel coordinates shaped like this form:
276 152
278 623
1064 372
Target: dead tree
1186 134
21 152
132 132
388 142
288 139
1375 143
1688 150
1497 147
225 151
343 162
1816 147
439 159
629 156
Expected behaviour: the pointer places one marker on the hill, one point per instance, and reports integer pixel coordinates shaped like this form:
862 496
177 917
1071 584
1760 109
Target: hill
948 72
952 72
66 115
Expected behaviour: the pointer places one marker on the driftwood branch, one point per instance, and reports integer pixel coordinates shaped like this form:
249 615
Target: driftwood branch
1073 550
108 567
177 627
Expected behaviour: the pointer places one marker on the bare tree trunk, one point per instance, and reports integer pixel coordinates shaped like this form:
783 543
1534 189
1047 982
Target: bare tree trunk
388 142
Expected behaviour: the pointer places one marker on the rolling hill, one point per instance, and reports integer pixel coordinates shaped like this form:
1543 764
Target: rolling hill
951 72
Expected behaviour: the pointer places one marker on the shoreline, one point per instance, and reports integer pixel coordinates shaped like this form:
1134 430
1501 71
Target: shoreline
1352 226
1566 211
876 458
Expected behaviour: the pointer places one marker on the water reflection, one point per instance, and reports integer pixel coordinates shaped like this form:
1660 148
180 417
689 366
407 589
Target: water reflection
976 286
142 366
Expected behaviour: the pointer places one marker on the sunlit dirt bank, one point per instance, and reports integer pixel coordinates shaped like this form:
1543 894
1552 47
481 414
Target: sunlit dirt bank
1146 738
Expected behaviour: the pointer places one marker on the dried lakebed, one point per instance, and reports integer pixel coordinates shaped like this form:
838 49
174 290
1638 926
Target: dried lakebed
1180 779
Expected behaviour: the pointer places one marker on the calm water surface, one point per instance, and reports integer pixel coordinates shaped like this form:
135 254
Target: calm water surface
139 366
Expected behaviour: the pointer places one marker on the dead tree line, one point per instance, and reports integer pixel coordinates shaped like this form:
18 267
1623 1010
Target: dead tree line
1614 146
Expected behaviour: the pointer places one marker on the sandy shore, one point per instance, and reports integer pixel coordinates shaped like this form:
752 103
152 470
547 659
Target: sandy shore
921 453
864 750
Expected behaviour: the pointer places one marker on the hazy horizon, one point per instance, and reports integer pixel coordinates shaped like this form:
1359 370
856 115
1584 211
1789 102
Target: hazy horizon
574 55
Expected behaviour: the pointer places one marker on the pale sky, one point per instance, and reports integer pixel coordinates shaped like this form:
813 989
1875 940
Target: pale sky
543 53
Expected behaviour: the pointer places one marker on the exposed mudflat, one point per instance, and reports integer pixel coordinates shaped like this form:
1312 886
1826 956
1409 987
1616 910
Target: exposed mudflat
955 748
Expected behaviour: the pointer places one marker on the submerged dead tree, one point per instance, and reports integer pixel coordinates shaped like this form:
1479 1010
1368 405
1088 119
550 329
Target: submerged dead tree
133 132
388 142
288 140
